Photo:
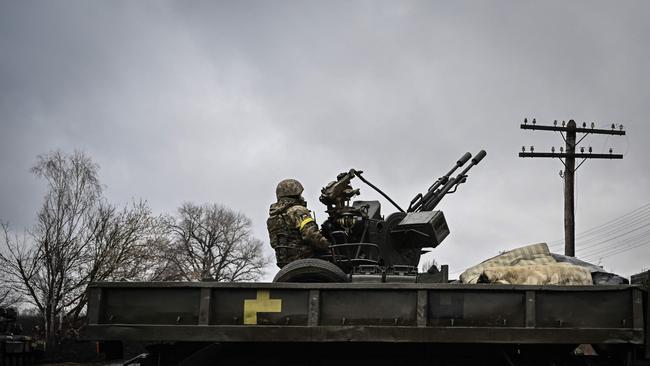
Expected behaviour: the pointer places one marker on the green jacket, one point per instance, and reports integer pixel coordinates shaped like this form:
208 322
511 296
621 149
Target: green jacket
293 232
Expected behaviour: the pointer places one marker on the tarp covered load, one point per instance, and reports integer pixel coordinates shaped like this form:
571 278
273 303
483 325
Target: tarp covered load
538 274
598 274
529 265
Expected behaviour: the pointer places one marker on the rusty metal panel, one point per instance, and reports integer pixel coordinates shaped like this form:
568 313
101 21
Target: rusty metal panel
368 307
603 309
476 308
264 306
178 306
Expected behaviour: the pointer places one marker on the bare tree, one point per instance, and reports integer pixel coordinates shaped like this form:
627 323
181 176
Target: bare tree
118 250
64 229
214 242
163 266
9 296
78 239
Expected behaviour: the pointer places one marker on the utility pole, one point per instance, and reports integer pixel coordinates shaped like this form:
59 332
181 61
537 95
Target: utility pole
569 188
569 162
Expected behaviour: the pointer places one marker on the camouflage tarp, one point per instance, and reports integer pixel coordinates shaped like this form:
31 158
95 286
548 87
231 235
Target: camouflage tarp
532 264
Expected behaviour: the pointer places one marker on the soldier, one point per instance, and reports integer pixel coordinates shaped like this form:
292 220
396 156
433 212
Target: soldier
292 230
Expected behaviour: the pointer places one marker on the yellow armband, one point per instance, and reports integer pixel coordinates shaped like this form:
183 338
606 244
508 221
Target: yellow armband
305 222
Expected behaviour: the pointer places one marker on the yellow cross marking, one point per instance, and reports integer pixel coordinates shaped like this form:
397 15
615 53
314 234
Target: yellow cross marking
263 304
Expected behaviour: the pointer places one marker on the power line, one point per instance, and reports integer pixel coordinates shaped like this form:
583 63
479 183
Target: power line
635 224
619 244
599 242
615 233
643 210
637 242
626 249
637 212
640 212
608 243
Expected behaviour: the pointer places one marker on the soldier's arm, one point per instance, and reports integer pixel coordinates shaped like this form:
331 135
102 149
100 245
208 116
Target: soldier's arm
309 229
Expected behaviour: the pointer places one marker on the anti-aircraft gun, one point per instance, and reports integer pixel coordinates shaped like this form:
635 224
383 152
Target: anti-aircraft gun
362 237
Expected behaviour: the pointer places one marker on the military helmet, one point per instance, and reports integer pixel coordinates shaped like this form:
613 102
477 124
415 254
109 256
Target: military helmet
288 188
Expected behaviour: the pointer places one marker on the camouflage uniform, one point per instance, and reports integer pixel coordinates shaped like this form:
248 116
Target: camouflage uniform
292 230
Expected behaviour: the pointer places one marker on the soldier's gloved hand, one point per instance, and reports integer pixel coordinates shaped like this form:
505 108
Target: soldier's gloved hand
324 244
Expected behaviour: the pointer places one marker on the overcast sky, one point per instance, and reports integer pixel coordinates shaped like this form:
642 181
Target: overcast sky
209 101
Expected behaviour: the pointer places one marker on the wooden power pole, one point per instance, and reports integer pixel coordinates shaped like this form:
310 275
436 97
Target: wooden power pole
569 133
569 188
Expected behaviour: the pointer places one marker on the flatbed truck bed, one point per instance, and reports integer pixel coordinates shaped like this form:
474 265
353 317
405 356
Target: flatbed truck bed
375 315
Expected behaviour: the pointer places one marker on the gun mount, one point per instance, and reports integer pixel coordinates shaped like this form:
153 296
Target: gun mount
360 235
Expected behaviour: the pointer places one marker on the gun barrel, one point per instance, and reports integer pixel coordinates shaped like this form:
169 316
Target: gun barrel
463 159
418 200
432 201
477 159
